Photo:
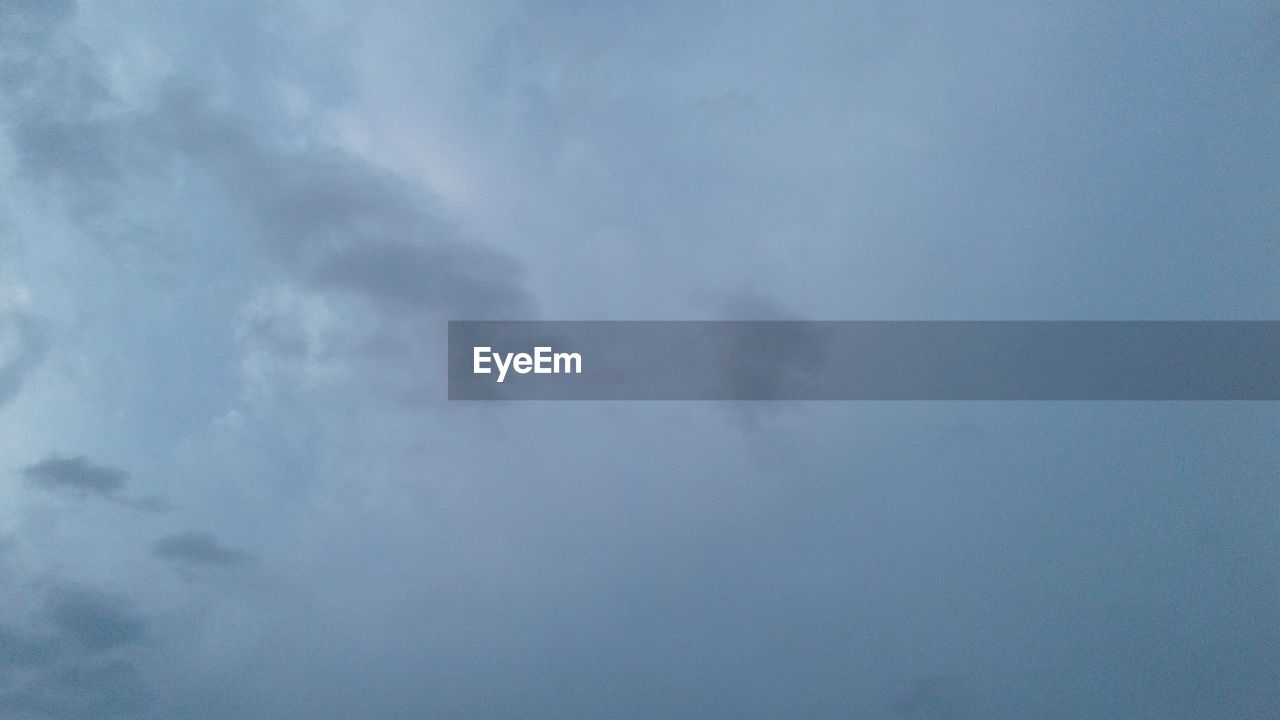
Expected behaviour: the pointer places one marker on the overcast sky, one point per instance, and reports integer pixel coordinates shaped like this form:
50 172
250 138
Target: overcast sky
231 235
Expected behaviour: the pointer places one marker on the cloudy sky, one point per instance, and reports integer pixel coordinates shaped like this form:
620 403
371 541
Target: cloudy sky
231 235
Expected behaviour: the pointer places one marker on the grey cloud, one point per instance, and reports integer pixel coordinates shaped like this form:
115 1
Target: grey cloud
580 564
76 474
76 150
49 86
22 344
347 225
18 648
278 335
86 691
795 353
463 281
97 621
791 352
198 548
77 661
324 215
313 213
43 677
148 503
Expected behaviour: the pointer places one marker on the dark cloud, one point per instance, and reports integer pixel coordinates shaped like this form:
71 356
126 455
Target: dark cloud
88 691
326 216
340 222
76 661
46 677
148 503
760 369
461 281
96 620
76 474
764 359
198 548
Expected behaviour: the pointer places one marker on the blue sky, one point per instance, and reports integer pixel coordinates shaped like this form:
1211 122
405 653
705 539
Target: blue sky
231 236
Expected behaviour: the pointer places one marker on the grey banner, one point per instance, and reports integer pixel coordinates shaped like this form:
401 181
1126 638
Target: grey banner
864 360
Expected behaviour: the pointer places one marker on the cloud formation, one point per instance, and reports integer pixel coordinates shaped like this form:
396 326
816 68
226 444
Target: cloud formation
76 661
76 474
22 344
198 548
96 620
240 226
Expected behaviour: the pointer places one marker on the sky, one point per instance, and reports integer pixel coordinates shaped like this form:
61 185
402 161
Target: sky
232 234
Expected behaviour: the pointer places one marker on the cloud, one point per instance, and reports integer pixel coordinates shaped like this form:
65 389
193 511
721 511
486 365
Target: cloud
19 648
873 163
330 219
198 548
22 344
112 689
76 660
339 222
455 279
292 209
48 676
25 25
76 474
96 620
79 476
327 217
147 503
788 355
